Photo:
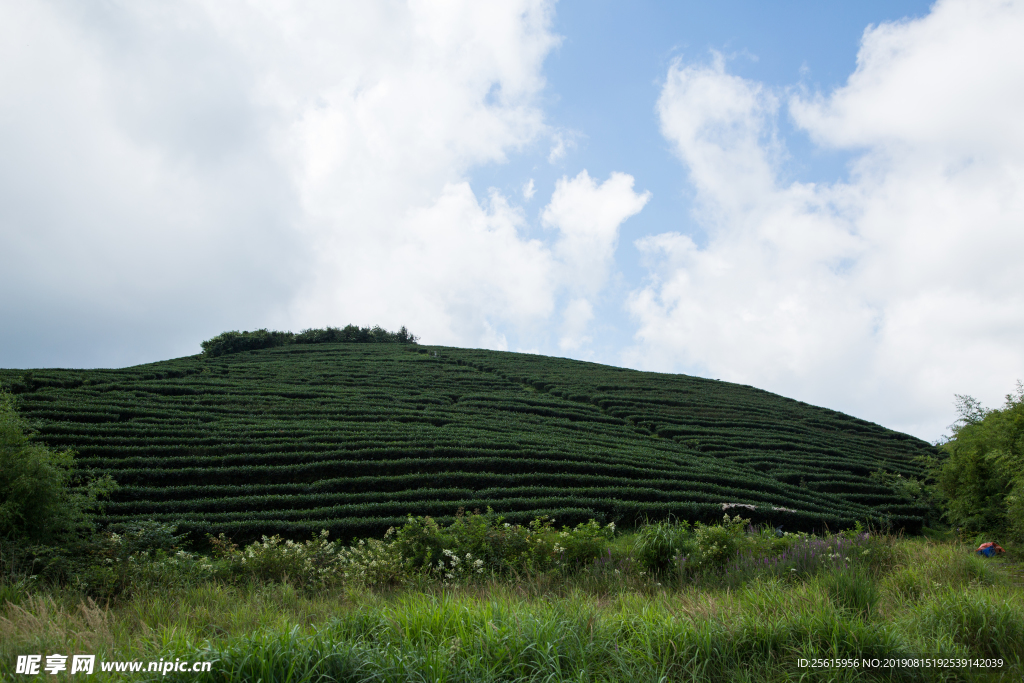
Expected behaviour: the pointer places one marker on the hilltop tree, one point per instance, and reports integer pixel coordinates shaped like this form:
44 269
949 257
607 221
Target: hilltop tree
235 341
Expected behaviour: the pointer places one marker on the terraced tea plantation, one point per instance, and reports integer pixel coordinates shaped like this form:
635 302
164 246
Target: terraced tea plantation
352 437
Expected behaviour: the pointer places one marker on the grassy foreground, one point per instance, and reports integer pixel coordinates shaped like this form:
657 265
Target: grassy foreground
611 621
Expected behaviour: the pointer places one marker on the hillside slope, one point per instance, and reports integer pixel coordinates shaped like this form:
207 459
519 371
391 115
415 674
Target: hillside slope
352 437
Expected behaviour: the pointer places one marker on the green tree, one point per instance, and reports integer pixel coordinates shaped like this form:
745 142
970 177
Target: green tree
981 477
235 341
39 503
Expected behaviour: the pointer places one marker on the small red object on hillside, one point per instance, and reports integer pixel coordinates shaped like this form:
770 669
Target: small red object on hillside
989 549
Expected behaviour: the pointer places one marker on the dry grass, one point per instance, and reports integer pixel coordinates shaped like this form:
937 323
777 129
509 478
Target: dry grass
42 623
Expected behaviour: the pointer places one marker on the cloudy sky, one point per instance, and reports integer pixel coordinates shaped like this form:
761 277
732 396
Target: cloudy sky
825 200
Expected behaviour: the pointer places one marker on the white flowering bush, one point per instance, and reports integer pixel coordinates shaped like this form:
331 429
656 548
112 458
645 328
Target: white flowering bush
475 546
496 547
718 544
584 543
275 559
372 562
179 568
316 562
455 570
664 546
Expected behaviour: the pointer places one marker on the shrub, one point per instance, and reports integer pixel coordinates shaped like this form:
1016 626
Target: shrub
716 545
420 542
583 544
981 478
317 562
500 548
40 503
143 553
663 545
372 563
666 545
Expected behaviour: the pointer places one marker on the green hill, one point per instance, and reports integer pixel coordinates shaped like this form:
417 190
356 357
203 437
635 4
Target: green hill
352 437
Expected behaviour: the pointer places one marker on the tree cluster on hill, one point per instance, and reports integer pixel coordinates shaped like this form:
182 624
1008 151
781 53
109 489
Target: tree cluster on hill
981 476
235 341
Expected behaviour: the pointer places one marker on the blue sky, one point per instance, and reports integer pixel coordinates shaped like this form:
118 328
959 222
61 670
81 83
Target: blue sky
606 74
819 199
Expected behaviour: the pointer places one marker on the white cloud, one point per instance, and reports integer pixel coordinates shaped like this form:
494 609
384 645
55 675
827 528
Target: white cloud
882 296
578 314
529 190
588 217
205 165
561 142
455 270
946 85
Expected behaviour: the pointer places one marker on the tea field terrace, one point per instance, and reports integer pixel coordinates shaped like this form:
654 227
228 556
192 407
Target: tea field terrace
353 437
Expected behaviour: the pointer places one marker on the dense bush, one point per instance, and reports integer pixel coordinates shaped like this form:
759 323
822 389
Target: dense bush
498 546
474 546
680 546
981 476
353 334
663 545
39 501
146 552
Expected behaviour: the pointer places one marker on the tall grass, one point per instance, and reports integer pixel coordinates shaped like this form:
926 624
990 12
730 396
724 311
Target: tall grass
612 620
